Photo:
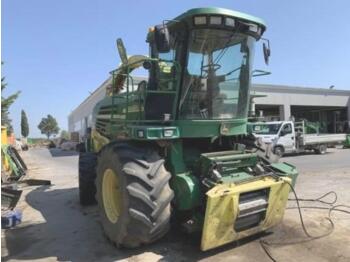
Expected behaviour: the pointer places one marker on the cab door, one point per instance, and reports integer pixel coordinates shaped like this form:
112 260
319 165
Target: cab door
287 137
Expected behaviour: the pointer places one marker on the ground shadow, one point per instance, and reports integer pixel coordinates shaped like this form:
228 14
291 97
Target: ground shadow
57 152
73 233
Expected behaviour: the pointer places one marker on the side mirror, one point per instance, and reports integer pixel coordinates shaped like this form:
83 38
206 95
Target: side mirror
266 51
122 51
162 38
282 133
258 72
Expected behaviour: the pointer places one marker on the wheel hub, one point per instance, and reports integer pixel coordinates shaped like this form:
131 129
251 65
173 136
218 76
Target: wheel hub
111 195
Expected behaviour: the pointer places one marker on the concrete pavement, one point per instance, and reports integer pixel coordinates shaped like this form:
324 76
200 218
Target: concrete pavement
56 228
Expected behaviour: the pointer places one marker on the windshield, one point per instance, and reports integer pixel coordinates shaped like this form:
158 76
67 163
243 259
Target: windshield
217 76
266 129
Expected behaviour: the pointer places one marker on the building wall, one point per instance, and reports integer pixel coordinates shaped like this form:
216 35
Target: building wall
286 96
81 117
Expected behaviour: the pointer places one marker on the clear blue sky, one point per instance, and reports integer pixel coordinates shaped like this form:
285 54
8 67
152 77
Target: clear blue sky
55 52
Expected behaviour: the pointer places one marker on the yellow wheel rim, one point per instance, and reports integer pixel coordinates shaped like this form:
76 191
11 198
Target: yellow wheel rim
111 195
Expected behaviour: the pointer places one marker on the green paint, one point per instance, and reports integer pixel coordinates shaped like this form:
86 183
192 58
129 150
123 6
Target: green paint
187 192
286 169
153 112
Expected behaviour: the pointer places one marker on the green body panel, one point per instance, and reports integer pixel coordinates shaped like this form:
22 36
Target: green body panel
285 169
174 160
187 191
211 128
153 132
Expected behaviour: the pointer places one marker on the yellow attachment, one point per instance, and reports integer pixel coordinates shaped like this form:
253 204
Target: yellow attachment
223 209
111 195
4 161
3 135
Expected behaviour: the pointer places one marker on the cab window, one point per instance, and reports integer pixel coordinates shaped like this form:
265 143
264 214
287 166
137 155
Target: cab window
287 129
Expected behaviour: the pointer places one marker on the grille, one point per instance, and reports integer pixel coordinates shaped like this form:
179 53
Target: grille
252 209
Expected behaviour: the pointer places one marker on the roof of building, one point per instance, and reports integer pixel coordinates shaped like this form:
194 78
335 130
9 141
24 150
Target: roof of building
299 90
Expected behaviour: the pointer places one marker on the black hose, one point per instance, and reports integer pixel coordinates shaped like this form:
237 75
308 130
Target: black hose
339 208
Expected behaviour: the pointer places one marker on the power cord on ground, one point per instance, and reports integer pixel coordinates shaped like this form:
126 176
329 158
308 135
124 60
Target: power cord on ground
339 208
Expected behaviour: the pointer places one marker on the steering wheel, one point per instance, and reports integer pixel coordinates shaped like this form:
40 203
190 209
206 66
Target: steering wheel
215 67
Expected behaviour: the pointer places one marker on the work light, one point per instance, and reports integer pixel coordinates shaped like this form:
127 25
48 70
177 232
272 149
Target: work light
229 21
200 20
215 20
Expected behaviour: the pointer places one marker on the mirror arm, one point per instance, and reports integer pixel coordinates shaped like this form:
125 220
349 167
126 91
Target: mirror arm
260 73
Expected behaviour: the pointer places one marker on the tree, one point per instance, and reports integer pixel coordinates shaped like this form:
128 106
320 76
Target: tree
24 124
64 134
48 126
6 102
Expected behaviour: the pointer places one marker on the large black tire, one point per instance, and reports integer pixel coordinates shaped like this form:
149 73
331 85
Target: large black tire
144 194
87 176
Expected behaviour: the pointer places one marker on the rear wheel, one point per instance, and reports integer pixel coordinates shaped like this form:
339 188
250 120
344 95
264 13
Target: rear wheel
321 149
133 195
87 176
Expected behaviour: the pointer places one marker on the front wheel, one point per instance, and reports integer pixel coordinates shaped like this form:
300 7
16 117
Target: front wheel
279 151
133 195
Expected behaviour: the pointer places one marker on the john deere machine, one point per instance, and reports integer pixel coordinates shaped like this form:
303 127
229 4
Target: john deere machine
176 147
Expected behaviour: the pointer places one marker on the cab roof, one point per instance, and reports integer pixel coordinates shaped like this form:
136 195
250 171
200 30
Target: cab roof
221 11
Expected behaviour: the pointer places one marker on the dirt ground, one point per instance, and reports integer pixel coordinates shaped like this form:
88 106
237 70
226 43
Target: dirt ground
56 228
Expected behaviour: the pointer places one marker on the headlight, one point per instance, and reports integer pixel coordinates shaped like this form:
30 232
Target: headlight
168 133
140 133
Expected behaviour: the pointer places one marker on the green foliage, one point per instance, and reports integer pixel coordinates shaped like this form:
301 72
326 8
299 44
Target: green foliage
6 102
24 124
48 126
64 134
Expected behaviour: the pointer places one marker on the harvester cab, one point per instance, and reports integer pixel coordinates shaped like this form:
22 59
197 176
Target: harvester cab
177 144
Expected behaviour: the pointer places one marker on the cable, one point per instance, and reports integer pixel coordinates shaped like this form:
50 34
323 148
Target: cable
339 208
319 199
327 208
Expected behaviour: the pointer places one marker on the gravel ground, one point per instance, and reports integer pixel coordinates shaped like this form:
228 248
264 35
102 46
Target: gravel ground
56 228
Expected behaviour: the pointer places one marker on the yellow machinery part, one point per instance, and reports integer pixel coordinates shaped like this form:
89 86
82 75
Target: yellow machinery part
223 209
98 140
111 195
3 135
4 160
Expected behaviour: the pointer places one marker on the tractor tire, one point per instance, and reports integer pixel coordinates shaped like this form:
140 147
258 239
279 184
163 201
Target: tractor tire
321 149
278 151
87 176
133 195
